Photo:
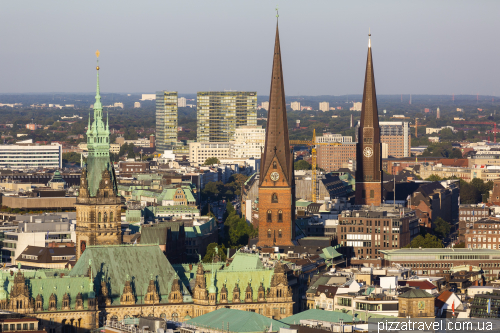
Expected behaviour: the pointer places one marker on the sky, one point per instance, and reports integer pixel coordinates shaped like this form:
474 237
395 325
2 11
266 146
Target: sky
419 47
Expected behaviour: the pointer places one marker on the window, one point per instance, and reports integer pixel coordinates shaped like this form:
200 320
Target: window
275 198
269 216
280 215
279 233
99 217
372 194
363 194
268 233
275 166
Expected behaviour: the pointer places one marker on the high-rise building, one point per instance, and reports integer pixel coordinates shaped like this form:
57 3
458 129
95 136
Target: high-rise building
265 106
221 112
295 106
181 102
324 106
98 206
276 182
137 105
368 148
166 119
396 135
356 106
438 113
30 156
335 156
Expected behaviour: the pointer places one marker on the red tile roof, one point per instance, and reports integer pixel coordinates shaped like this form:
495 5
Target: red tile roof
442 298
421 285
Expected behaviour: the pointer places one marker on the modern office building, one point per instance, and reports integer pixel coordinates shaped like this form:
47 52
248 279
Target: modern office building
248 142
166 120
30 156
200 151
329 137
331 157
221 112
324 106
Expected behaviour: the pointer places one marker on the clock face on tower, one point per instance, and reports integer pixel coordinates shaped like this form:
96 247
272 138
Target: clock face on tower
368 152
275 176
421 305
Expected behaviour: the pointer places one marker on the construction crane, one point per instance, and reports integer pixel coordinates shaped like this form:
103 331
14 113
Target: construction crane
480 123
313 144
416 127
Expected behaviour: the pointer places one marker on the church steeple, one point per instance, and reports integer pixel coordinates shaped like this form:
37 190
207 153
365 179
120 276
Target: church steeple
277 143
277 184
368 148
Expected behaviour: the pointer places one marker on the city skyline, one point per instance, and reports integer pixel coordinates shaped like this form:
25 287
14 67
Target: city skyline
422 48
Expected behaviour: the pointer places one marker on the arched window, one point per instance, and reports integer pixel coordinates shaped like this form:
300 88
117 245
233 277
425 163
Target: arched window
105 217
274 198
99 217
275 166
175 316
280 233
268 233
280 215
111 217
269 216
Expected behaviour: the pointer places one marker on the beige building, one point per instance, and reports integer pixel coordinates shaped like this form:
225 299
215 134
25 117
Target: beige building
200 151
324 106
295 106
248 142
466 174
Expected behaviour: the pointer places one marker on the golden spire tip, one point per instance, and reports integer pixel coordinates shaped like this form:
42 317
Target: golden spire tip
97 53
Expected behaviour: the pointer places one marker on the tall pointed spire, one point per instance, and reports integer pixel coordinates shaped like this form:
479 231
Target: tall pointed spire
368 147
277 142
97 104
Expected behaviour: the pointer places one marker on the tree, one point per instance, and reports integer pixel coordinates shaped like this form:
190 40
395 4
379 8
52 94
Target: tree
221 251
469 194
442 228
434 178
455 153
429 241
460 245
212 190
302 165
211 161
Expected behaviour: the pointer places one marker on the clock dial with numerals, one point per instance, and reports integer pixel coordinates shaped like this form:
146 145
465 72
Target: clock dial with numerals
275 176
368 152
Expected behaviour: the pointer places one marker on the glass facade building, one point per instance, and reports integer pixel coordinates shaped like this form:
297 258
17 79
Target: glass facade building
166 120
219 113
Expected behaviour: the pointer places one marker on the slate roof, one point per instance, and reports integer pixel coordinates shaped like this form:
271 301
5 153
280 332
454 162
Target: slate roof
237 320
329 291
416 293
44 254
316 314
114 263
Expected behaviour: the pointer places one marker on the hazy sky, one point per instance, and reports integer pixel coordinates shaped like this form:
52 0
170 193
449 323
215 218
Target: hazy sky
419 47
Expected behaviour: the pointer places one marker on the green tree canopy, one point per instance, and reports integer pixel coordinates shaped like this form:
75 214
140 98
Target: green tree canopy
302 165
429 241
442 228
211 161
221 251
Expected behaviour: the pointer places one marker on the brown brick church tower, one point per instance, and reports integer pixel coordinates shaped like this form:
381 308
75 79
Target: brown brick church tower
277 184
368 148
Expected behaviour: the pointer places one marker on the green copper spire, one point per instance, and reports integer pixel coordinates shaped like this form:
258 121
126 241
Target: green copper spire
98 145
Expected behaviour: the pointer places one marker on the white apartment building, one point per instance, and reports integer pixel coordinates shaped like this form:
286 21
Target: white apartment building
181 102
265 106
324 106
30 156
248 142
295 106
200 151
148 97
356 106
329 138
137 105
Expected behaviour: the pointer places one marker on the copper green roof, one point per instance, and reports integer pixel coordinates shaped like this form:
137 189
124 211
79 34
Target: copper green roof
237 321
245 261
113 263
302 203
316 314
361 315
331 253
